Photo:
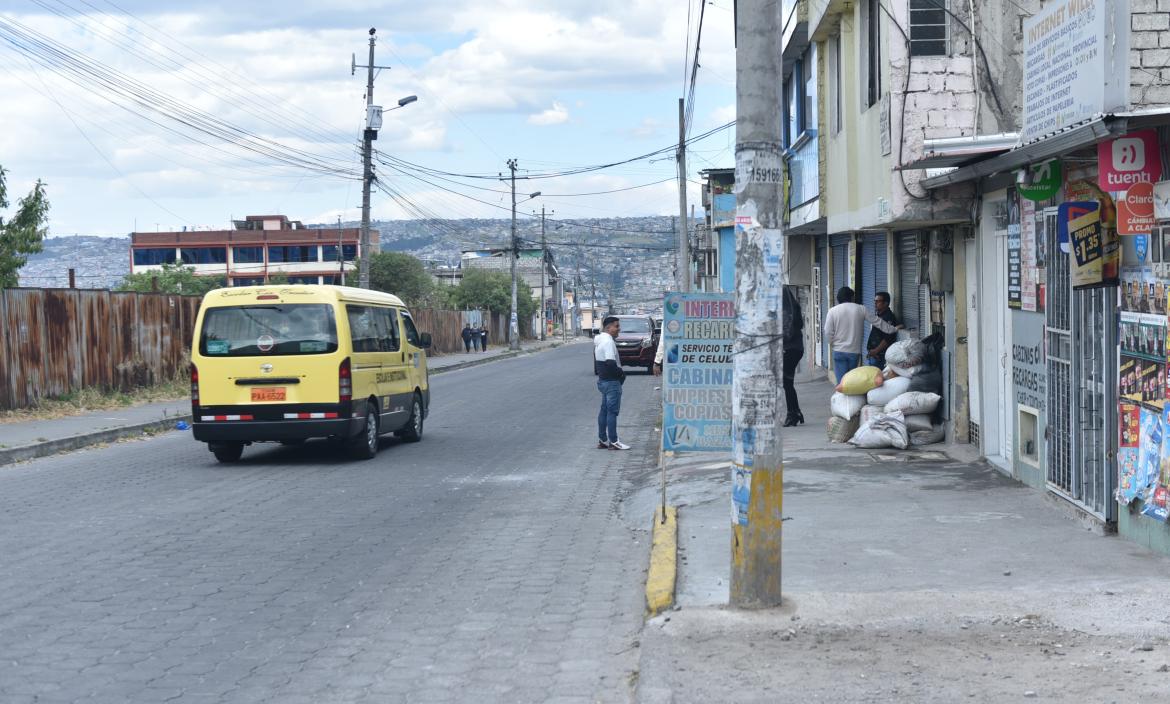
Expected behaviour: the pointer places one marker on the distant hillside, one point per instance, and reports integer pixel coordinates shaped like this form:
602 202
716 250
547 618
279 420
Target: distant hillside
621 252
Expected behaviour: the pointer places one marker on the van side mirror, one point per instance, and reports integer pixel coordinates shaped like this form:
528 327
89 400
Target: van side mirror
424 340
658 330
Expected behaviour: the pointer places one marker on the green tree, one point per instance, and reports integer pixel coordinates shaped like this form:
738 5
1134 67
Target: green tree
402 275
24 233
481 289
173 278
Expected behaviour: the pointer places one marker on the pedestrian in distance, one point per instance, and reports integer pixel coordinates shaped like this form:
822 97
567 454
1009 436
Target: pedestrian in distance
610 378
792 330
843 328
483 338
879 341
475 338
466 337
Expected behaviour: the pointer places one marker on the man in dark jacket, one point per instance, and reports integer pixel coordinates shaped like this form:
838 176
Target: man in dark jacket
466 337
610 378
483 338
880 341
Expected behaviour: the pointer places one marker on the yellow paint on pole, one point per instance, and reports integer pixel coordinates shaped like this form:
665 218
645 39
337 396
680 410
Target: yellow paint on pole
663 572
755 547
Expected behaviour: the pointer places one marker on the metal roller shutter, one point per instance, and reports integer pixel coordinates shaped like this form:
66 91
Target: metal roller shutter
874 274
910 303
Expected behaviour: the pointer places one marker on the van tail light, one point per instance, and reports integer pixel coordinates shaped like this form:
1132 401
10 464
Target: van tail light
344 382
194 387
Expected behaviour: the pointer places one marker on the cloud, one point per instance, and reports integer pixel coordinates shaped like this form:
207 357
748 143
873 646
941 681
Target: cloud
558 114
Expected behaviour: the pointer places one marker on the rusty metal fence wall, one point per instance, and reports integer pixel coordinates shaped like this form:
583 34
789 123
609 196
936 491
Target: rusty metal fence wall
56 341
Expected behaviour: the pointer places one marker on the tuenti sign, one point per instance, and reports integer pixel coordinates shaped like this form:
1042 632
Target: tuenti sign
1076 64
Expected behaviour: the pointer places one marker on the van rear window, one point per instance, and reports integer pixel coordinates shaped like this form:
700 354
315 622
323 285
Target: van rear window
281 329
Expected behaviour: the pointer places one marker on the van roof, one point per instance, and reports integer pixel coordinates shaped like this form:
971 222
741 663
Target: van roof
294 293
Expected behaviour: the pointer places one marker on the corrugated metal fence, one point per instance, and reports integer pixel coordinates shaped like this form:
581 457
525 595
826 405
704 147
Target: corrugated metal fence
55 341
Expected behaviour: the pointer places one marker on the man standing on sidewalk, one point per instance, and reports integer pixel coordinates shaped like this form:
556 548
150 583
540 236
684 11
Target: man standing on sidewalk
843 330
466 337
610 378
879 342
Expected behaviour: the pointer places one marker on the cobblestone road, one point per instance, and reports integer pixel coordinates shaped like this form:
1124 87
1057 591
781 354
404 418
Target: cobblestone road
487 563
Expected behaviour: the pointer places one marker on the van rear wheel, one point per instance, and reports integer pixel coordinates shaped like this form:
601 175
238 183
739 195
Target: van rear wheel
228 453
364 445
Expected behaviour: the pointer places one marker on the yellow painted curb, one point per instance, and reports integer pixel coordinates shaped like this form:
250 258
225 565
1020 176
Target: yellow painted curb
660 579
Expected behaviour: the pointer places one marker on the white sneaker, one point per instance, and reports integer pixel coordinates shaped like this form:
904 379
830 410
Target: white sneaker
618 445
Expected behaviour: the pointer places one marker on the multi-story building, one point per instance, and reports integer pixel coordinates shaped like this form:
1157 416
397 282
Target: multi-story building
258 248
958 146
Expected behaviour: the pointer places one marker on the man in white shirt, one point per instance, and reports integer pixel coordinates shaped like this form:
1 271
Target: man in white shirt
610 378
843 328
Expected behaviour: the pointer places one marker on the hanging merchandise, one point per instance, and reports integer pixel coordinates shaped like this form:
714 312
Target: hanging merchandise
1138 467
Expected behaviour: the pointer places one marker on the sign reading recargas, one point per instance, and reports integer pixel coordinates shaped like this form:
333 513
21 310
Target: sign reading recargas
698 331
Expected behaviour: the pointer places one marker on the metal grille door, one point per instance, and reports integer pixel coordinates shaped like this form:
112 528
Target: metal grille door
1082 372
910 301
874 274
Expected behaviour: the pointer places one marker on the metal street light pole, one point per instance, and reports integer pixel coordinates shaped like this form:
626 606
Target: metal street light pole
373 124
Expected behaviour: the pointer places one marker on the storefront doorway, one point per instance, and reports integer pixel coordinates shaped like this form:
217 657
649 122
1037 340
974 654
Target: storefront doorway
995 340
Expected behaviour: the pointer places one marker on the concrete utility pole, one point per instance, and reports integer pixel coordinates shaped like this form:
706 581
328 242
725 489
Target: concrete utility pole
684 245
759 263
368 137
543 256
340 255
514 321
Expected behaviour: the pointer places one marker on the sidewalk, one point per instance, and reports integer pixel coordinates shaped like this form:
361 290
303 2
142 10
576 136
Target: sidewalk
38 438
910 576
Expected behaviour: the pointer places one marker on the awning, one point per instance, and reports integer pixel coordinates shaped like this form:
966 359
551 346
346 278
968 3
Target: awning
959 151
1072 139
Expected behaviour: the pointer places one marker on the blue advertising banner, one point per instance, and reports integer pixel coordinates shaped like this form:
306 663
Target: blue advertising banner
698 331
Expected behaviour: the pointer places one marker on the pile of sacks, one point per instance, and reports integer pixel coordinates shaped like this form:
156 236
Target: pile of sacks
892 407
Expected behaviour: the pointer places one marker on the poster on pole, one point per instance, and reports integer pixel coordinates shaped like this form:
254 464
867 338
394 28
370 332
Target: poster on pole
698 331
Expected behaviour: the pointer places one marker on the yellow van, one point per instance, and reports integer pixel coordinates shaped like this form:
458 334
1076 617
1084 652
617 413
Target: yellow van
290 363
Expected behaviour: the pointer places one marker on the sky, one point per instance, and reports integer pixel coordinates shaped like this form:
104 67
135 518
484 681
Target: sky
554 84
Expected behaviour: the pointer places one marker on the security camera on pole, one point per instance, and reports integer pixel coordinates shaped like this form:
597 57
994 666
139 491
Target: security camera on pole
373 124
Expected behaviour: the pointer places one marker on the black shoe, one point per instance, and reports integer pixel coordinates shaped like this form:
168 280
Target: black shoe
794 419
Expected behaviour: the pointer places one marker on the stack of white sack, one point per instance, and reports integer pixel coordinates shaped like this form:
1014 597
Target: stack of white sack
845 405
893 415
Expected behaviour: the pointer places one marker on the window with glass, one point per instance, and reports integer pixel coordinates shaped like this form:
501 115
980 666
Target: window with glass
154 255
872 56
411 331
247 281
808 71
278 329
203 255
292 253
928 28
329 252
836 88
302 279
372 329
248 255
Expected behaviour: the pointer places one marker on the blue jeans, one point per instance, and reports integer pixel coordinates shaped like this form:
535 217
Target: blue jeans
843 362
611 405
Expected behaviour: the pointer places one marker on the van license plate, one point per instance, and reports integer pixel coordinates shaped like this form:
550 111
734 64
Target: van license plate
270 393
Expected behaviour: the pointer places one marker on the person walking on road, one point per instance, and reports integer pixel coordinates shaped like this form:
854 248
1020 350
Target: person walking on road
483 338
792 330
466 337
610 378
879 342
843 330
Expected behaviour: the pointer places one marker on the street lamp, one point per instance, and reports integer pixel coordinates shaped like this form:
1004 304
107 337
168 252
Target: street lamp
514 321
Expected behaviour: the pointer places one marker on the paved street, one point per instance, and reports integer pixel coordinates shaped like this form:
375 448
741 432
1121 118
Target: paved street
487 563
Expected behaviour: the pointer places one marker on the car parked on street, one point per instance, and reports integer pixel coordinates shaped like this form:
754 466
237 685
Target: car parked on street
637 340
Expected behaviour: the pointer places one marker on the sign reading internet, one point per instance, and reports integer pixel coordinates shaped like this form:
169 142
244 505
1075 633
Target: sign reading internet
698 331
